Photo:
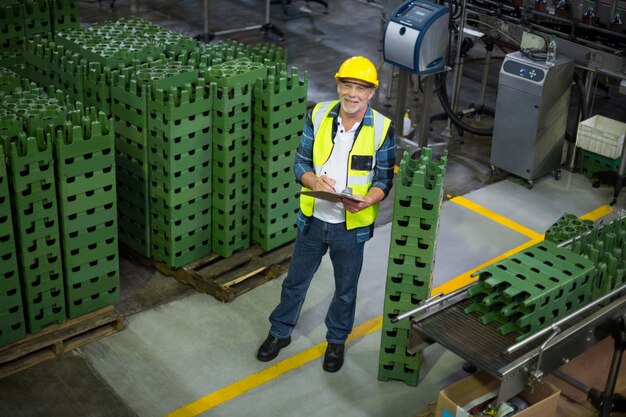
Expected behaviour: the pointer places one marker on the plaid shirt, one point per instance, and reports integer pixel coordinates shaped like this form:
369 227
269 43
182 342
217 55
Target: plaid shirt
383 171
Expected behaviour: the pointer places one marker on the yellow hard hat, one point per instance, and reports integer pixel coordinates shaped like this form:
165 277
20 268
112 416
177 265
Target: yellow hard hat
359 68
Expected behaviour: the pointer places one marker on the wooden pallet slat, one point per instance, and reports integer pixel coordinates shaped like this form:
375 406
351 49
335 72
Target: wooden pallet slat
58 339
225 278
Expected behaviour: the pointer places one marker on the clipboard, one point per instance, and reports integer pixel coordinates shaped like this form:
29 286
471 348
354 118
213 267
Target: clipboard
332 196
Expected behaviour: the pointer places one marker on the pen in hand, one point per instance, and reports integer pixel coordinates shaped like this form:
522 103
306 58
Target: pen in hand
328 182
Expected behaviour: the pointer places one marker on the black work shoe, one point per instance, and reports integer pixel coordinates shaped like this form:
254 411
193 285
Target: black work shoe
270 348
333 358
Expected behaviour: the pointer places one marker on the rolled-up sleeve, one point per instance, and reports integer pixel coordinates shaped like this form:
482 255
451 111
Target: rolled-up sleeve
385 162
304 154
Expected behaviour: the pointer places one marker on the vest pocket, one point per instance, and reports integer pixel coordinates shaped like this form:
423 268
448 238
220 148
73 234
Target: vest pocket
362 162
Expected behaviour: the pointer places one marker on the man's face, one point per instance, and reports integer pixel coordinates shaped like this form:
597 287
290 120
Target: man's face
354 94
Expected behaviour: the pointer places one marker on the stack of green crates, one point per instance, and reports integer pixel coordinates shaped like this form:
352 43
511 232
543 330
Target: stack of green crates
97 86
9 80
279 115
10 126
232 153
168 42
67 73
64 14
606 248
130 117
62 163
37 18
85 170
229 50
266 52
80 61
12 324
36 109
37 223
147 41
567 227
180 131
38 61
25 19
590 164
415 223
532 289
12 24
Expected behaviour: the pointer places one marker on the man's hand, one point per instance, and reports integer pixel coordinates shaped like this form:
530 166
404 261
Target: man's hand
321 183
355 206
374 195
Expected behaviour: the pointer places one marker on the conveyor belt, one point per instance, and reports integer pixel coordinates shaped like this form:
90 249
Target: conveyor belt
480 344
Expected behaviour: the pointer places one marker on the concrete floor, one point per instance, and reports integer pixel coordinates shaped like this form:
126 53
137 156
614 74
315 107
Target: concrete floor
186 354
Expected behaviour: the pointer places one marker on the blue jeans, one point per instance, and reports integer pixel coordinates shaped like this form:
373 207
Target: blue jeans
346 256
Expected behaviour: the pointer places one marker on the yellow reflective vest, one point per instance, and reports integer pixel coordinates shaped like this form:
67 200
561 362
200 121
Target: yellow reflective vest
361 161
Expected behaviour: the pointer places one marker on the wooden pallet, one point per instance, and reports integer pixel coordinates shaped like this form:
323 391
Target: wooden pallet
57 339
225 278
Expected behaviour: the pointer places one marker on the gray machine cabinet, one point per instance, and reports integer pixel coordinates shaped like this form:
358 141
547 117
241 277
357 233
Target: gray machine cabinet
531 115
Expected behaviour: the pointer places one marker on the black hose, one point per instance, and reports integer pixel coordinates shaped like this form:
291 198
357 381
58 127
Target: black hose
581 96
442 94
456 8
583 109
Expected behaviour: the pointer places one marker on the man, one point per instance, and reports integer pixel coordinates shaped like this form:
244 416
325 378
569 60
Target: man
345 145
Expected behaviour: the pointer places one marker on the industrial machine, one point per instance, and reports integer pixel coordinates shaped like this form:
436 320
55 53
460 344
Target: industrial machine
524 363
525 317
415 38
531 115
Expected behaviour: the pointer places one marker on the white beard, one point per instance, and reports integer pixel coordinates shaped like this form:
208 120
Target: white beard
350 108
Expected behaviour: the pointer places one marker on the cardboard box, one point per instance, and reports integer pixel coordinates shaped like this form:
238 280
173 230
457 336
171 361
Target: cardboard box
479 388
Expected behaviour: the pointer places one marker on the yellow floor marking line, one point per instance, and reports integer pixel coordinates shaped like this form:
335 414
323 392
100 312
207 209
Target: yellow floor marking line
466 277
492 215
597 213
234 390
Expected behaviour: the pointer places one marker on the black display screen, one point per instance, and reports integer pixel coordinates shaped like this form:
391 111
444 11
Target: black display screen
523 70
417 14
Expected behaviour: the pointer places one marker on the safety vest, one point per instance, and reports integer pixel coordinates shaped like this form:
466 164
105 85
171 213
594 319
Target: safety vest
368 141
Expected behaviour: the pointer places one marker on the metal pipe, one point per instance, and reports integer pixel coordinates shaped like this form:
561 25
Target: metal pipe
542 349
581 41
483 81
621 170
571 380
425 303
403 82
587 96
429 86
266 25
237 30
613 372
560 322
429 302
613 9
206 17
458 68
589 76
390 84
458 63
